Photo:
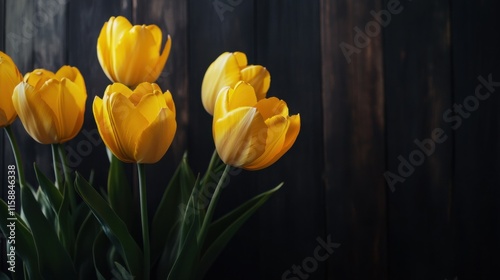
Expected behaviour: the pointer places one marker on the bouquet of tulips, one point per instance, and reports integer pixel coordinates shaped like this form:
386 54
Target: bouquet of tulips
66 229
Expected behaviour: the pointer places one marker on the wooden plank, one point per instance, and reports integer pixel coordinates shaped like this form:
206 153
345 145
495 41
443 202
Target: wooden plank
288 44
2 25
476 194
84 22
418 93
4 161
20 30
212 31
171 17
354 141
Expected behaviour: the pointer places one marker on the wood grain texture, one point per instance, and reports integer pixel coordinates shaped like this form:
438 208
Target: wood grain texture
354 142
288 44
361 115
84 22
418 93
171 17
476 194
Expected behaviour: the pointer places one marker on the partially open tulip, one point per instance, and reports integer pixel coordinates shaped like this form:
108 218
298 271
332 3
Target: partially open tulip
250 133
137 126
51 106
227 70
9 78
131 54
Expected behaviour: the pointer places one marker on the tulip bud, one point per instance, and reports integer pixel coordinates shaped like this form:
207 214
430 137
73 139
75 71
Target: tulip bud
227 70
251 133
131 54
9 78
51 106
137 126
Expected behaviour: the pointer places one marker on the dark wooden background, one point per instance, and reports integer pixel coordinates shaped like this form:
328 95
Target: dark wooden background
442 222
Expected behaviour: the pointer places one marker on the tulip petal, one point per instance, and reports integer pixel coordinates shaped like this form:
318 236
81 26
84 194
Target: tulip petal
135 56
291 136
150 107
111 33
10 77
272 106
259 78
162 60
67 103
105 129
238 136
273 144
36 116
155 140
3 118
224 71
127 122
242 95
120 88
72 74
169 102
38 77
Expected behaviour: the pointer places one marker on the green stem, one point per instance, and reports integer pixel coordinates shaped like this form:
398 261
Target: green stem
144 218
67 176
57 174
17 155
213 160
211 207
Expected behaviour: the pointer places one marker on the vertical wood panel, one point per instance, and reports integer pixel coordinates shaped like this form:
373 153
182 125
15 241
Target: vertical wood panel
211 32
477 146
171 17
418 92
288 44
354 132
84 22
20 32
3 138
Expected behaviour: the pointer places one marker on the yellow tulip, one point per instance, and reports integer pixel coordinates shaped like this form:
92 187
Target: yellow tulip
51 106
227 70
251 133
131 54
9 78
137 126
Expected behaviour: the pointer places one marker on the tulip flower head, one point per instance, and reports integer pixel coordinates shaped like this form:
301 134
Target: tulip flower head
227 70
251 133
131 54
51 106
9 78
137 126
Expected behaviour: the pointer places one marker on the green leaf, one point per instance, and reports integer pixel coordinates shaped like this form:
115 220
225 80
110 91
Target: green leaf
185 265
114 228
100 250
83 247
25 245
66 230
54 261
54 196
171 208
120 194
121 272
222 230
